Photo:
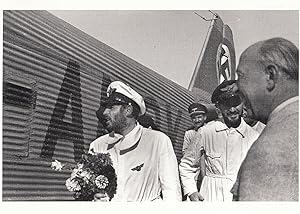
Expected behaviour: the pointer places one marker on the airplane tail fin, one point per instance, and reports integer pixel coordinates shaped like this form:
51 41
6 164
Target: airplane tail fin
216 62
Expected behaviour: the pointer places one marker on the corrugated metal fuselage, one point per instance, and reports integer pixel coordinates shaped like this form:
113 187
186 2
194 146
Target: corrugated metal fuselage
54 80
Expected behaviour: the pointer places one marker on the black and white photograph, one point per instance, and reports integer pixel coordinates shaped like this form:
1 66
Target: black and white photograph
150 105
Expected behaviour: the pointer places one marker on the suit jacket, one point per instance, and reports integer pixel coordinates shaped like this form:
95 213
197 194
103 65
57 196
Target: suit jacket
270 170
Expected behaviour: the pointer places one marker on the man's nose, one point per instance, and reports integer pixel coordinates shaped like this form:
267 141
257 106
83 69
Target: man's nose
197 120
232 109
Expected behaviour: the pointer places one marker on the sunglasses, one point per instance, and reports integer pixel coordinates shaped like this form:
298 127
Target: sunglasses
231 101
110 104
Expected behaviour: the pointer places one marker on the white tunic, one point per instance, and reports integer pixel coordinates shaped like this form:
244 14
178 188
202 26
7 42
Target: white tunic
145 165
225 149
189 138
259 127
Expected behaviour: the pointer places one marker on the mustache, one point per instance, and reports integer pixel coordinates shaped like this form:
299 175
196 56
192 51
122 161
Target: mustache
233 112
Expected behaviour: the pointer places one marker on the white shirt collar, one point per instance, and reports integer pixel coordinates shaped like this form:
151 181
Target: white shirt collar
240 129
128 140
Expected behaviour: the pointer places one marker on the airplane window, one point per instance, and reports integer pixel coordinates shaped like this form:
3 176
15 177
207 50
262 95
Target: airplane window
18 95
18 104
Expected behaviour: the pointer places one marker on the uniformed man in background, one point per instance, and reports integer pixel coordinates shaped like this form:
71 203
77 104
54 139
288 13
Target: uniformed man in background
144 159
222 145
198 116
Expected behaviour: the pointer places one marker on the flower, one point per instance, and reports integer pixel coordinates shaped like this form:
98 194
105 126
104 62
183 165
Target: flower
56 165
86 175
93 178
72 185
101 182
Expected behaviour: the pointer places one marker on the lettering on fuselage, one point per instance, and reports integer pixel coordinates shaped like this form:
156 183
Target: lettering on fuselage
70 91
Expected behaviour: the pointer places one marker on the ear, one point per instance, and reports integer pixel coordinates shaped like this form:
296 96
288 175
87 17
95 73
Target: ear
218 111
129 110
271 76
244 114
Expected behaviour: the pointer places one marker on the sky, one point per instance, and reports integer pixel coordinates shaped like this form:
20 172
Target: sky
166 35
169 41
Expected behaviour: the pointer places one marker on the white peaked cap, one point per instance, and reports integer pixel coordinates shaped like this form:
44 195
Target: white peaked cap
126 90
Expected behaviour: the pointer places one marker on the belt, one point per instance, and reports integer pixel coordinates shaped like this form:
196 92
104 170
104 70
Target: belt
208 174
157 198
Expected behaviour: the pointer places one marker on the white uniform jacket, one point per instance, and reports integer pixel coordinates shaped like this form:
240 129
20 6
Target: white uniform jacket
189 138
223 149
145 164
259 127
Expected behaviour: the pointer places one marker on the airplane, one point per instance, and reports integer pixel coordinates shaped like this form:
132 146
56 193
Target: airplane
54 82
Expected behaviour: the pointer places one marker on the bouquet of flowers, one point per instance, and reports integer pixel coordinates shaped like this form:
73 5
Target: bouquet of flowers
94 176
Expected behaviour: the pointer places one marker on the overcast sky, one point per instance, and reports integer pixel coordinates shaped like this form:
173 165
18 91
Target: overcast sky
169 42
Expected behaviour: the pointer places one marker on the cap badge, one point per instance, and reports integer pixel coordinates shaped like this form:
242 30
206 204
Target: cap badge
230 88
194 110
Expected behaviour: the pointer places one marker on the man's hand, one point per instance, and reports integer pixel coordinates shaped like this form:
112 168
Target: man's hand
196 196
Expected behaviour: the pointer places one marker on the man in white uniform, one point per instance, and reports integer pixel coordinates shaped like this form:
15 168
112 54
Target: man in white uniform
144 159
198 116
221 147
197 113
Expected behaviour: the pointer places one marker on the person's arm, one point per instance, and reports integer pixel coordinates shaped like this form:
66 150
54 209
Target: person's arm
186 141
168 172
188 166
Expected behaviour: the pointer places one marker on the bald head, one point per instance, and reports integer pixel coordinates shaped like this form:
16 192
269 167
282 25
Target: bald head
277 51
268 74
282 53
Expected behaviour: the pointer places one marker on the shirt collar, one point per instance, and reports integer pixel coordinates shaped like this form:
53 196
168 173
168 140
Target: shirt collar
240 129
128 140
282 105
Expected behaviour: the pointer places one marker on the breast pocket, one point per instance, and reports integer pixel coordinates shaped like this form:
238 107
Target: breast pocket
213 162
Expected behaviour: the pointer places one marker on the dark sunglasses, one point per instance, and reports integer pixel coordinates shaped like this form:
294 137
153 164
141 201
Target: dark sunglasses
113 103
231 101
